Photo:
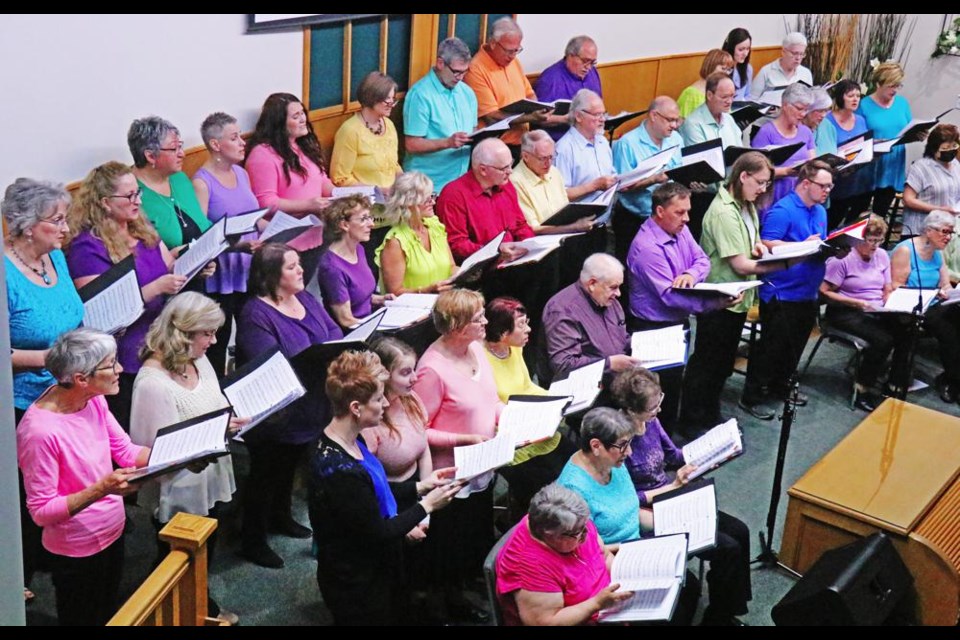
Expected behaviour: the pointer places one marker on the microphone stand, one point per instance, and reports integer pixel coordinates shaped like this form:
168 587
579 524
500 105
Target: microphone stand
916 321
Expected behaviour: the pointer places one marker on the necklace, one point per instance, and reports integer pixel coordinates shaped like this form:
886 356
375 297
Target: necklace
497 355
378 130
40 273
184 373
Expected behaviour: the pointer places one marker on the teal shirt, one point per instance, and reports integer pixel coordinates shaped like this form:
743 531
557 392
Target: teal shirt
432 111
889 169
628 152
160 210
825 138
614 507
701 126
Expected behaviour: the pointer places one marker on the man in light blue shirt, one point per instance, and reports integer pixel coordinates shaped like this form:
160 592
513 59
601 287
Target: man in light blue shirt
439 113
583 154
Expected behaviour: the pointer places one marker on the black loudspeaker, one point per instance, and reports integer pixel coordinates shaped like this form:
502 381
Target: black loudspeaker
857 584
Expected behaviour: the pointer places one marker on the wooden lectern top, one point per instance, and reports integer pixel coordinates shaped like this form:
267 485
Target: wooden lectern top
890 469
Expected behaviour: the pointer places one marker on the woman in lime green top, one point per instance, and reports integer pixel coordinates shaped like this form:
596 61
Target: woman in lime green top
535 465
414 256
695 95
169 200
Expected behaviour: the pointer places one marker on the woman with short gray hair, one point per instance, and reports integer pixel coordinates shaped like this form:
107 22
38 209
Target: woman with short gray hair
825 137
67 445
788 128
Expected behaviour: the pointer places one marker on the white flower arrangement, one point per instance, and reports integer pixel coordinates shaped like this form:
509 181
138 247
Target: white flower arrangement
947 43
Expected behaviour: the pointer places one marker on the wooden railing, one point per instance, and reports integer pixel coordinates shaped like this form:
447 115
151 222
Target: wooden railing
175 594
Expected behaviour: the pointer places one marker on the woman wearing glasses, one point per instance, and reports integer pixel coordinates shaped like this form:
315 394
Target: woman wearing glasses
414 256
344 275
107 225
652 453
365 148
933 182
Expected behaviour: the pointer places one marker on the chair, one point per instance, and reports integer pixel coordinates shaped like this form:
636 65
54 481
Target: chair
753 320
834 335
490 576
896 210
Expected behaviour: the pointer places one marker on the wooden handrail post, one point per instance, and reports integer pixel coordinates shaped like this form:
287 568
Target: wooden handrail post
189 533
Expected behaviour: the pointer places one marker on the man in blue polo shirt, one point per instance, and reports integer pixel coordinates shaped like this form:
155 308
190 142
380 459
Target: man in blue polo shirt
789 300
439 112
561 80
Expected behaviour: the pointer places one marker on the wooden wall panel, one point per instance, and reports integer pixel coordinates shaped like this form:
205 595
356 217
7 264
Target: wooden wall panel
676 73
629 86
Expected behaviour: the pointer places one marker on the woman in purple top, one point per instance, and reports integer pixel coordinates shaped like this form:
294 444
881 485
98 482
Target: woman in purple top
854 285
110 225
788 128
637 392
280 315
344 275
223 189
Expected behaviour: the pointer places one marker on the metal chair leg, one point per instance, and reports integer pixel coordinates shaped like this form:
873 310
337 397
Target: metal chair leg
857 361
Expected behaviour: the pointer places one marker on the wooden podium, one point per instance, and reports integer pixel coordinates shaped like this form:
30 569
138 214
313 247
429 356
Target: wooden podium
897 471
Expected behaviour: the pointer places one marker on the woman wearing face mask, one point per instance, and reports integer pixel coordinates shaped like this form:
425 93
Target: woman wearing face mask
933 183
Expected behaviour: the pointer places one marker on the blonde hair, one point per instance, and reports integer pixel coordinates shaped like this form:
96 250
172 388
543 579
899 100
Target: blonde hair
391 351
455 309
411 189
170 335
88 213
354 375
887 73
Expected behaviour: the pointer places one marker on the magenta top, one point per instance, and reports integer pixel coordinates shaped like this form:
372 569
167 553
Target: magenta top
342 281
858 278
528 564
265 167
232 266
456 404
61 454
399 451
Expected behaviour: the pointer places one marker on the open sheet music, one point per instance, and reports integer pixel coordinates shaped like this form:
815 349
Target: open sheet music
582 384
731 289
532 418
407 309
660 348
175 447
495 129
373 193
904 300
702 162
262 387
476 459
653 569
746 113
538 247
283 227
244 222
526 105
692 510
112 301
713 448
777 154
202 251
648 167
311 363
790 250
480 258
614 121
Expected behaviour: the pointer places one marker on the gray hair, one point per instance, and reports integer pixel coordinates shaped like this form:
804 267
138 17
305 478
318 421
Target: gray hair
797 93
453 49
821 99
581 99
78 351
26 201
599 266
792 38
147 134
213 124
504 26
937 219
532 138
606 425
557 509
576 43
410 189
486 150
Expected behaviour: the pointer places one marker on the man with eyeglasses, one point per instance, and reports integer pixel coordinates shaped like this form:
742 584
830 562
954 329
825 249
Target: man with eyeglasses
789 302
439 112
656 133
563 79
583 155
540 187
786 69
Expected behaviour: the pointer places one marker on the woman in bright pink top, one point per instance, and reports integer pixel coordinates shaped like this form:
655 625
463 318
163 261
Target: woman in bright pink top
554 569
284 159
67 443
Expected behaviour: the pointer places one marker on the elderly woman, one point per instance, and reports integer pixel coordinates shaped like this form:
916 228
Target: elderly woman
860 282
282 314
223 190
67 446
414 256
458 389
652 453
285 161
167 197
555 569
788 128
359 529
716 61
42 303
887 113
933 182
825 138
344 275
107 225
851 194
365 147
918 263
176 383
784 70
738 44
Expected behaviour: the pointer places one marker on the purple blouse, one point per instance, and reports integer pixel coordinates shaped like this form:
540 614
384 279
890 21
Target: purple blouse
860 279
87 256
341 281
261 327
650 456
232 266
770 135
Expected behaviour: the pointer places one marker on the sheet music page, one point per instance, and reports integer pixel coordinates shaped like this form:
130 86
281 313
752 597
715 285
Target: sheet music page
694 513
774 97
661 557
500 125
363 330
884 146
116 307
477 459
712 156
414 300
245 223
282 221
204 249
732 289
904 300
713 447
396 317
604 198
658 347
486 252
539 246
648 167
531 421
652 599
270 387
583 384
206 436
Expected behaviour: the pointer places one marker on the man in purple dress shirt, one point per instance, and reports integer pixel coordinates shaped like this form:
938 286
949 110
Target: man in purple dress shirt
561 80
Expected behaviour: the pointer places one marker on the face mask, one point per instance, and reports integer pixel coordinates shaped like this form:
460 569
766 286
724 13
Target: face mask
947 156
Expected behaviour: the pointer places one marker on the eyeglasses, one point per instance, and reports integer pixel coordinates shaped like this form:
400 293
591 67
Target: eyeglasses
113 366
824 187
874 240
590 62
656 409
675 121
176 149
363 219
944 231
507 168
431 199
796 54
540 159
136 195
509 52
600 115
761 184
390 102
622 446
579 536
458 73
60 222
481 319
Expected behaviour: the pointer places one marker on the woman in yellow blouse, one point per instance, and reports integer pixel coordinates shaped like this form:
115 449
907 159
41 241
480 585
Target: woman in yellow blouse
365 147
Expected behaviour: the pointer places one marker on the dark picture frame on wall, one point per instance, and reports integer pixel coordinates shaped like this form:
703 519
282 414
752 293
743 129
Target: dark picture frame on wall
261 22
